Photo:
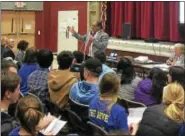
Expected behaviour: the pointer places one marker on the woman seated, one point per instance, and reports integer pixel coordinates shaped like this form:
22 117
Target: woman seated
176 74
165 119
129 80
178 58
149 91
103 110
29 66
30 114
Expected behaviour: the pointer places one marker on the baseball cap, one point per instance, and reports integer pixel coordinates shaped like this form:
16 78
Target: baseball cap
93 65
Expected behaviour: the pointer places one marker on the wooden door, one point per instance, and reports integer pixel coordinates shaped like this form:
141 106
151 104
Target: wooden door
27 27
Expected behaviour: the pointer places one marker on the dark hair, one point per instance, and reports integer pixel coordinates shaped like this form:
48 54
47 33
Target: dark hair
94 66
99 24
44 58
22 45
159 81
101 56
128 73
6 64
178 75
9 82
65 59
30 56
29 111
79 56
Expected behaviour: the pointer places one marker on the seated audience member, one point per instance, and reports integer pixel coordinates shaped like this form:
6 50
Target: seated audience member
178 58
77 62
4 42
38 80
149 91
165 119
60 81
8 49
102 57
176 74
129 80
84 91
8 65
103 110
30 114
29 66
10 88
21 46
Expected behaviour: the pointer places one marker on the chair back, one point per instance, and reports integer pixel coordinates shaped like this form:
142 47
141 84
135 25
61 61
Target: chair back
76 122
52 107
80 109
129 104
96 130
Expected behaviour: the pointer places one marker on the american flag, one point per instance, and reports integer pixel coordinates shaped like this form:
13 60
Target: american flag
103 17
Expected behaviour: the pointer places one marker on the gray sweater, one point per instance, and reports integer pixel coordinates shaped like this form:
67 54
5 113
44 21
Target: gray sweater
127 90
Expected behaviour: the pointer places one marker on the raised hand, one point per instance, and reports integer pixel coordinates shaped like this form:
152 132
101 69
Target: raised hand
71 29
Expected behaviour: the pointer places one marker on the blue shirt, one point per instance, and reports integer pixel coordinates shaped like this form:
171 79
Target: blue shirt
15 132
24 72
115 119
83 92
38 83
105 69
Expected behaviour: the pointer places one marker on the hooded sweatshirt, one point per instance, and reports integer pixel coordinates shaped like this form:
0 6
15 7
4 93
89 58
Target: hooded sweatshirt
83 92
143 92
59 84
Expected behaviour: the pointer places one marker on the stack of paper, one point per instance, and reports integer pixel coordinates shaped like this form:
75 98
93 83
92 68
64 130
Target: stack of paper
142 59
55 126
135 115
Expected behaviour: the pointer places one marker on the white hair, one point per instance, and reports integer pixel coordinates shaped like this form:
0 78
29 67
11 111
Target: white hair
179 45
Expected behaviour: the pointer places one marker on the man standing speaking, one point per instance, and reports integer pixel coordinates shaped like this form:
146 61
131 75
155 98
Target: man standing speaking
96 40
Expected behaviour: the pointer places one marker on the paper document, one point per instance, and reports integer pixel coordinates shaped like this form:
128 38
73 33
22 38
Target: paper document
135 115
55 126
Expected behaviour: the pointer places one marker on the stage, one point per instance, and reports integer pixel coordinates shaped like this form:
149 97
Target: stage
163 49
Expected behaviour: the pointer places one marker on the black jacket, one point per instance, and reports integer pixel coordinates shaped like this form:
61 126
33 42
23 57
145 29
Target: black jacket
156 123
8 123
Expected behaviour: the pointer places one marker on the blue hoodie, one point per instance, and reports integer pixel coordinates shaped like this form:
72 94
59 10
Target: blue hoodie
105 69
83 92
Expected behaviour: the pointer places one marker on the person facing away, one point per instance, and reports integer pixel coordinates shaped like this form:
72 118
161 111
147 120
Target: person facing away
176 74
38 80
102 57
8 49
29 65
129 80
178 58
77 63
83 92
60 81
167 118
31 116
99 40
10 91
149 91
21 46
103 110
8 65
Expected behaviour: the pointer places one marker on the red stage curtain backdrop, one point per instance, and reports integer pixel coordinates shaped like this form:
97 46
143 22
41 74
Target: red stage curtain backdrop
148 19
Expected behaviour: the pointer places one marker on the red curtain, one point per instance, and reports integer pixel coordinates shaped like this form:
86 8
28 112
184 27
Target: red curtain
117 18
148 19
